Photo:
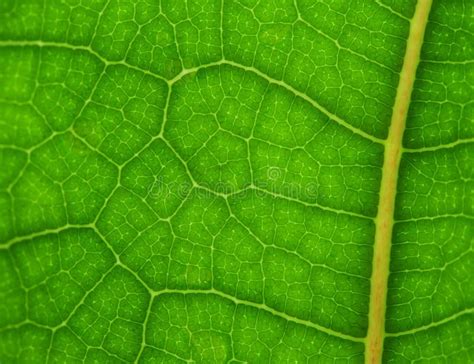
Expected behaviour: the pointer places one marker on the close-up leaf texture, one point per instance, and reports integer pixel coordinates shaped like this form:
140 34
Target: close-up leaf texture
237 181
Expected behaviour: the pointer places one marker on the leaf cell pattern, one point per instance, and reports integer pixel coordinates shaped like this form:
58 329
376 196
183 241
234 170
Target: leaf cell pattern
198 181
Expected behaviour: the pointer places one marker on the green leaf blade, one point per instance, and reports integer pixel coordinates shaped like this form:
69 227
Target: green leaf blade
201 181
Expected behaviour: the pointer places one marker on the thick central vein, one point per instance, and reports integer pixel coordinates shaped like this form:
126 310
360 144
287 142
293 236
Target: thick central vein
388 188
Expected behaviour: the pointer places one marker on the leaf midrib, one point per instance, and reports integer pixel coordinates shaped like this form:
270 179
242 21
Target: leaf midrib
388 187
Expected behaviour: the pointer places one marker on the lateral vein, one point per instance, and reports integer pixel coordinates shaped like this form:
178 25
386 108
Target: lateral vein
262 307
385 213
468 311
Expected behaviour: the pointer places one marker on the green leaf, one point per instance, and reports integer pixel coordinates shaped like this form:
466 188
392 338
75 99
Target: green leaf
243 181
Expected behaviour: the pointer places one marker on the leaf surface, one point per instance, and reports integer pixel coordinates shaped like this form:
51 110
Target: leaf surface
236 181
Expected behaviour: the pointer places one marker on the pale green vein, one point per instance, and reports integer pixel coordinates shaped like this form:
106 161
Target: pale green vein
439 147
185 72
262 307
8 244
431 325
